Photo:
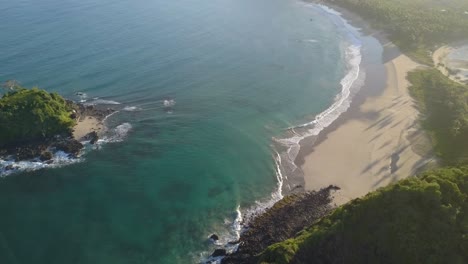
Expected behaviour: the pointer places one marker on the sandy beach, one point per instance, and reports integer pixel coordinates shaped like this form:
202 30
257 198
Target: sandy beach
442 63
85 125
440 60
378 145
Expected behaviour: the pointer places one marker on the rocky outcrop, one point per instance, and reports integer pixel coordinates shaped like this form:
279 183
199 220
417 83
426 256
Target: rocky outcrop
92 137
287 217
69 145
45 156
219 253
80 110
42 149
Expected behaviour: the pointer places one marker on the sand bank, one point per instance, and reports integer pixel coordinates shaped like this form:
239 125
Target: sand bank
87 124
442 63
376 146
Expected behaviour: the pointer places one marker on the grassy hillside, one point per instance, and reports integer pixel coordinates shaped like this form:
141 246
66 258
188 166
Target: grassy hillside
418 220
27 115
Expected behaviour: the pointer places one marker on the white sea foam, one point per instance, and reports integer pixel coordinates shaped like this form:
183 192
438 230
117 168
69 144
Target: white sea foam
117 134
169 103
83 96
131 108
242 218
59 159
350 84
284 162
102 102
310 40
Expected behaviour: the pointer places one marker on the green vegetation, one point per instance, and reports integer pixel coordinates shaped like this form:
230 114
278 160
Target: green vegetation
418 220
27 115
416 26
444 106
421 219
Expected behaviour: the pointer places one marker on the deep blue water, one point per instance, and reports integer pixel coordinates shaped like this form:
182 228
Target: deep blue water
239 71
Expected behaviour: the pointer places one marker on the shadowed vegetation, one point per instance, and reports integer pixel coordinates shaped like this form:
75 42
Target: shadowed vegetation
415 26
444 107
418 220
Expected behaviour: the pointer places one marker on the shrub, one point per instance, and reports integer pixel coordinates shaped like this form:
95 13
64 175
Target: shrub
32 114
417 220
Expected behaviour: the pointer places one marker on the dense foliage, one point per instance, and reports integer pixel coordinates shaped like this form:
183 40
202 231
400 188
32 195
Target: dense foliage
418 220
27 115
444 105
416 26
421 219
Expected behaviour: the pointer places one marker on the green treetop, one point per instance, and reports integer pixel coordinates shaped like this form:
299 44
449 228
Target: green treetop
32 114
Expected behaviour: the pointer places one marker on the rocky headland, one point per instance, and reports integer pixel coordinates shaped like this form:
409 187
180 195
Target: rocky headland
282 221
76 123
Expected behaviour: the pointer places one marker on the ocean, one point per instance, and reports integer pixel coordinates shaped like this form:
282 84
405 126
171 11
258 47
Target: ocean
213 98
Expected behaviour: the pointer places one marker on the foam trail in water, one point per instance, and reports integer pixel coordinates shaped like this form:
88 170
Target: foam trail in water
109 115
350 84
131 108
102 102
310 40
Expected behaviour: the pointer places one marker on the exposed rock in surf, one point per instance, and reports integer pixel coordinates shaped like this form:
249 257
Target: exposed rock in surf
220 252
92 137
282 221
214 237
71 146
39 148
27 151
45 156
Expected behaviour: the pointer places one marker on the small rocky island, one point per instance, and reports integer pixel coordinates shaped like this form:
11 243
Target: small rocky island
36 123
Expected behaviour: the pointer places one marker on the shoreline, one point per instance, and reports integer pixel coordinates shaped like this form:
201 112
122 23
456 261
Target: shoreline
89 120
86 125
324 159
60 149
442 63
377 141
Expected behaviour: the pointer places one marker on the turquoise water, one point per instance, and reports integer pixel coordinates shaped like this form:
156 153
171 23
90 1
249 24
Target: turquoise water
239 71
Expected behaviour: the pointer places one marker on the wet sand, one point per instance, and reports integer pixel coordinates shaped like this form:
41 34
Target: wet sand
379 143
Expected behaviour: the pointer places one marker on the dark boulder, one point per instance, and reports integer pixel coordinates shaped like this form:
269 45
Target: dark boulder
220 252
92 137
9 167
214 237
26 153
46 155
70 146
234 242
